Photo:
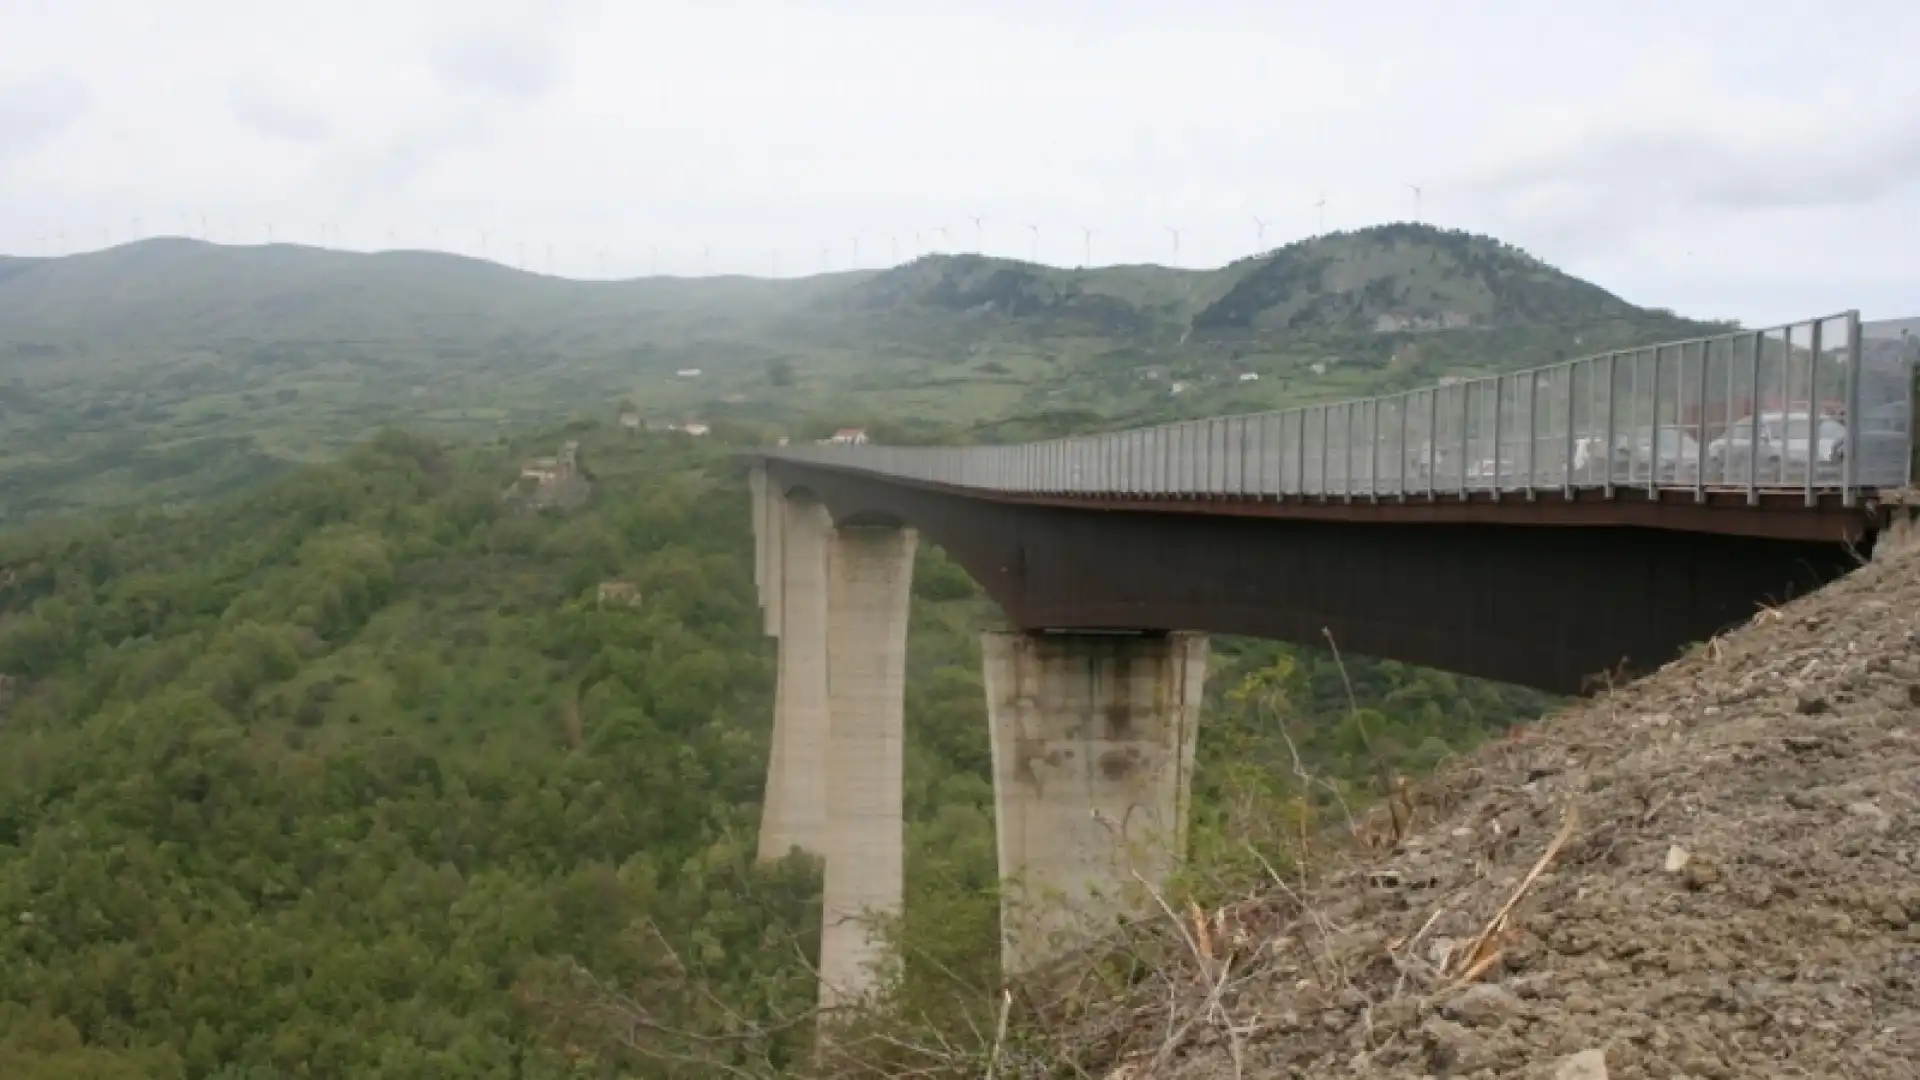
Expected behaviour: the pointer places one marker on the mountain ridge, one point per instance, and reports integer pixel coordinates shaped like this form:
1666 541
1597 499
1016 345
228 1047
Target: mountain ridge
171 369
1384 279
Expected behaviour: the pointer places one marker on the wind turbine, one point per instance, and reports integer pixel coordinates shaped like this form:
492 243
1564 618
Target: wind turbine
1033 250
706 259
942 230
979 234
1322 207
483 243
853 249
1176 243
1416 202
1259 233
1086 247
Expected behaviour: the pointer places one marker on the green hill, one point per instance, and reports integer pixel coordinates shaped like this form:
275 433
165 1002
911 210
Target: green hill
1109 301
189 293
1408 277
169 370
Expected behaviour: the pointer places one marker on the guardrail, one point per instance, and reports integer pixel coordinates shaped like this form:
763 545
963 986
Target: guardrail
1814 406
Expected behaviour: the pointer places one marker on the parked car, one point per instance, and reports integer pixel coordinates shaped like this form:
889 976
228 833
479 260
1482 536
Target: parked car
1783 446
1673 455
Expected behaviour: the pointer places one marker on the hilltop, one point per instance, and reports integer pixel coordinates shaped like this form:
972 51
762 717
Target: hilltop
1727 886
1407 277
166 370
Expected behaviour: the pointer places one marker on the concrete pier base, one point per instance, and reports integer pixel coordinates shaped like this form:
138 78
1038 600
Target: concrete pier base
870 574
1093 738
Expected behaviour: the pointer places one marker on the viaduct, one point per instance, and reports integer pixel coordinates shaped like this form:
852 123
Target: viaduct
1540 527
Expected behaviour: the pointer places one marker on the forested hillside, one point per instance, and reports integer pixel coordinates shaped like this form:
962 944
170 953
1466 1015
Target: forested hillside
174 370
344 777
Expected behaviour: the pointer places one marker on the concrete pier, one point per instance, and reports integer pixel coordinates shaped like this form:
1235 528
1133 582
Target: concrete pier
800 536
836 601
870 573
1093 738
1092 734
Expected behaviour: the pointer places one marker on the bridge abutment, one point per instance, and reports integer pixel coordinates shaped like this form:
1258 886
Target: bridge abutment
1093 738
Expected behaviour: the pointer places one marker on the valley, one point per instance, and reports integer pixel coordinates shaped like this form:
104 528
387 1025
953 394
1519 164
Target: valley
329 749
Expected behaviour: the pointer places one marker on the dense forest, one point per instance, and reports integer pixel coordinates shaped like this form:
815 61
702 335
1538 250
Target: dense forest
371 773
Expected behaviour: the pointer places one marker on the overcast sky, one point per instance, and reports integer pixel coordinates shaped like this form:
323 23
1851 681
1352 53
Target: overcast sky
1721 157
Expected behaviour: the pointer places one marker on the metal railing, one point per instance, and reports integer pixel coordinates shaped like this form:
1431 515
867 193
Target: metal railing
1814 406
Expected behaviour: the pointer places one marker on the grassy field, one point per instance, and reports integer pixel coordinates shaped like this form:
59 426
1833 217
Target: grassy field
169 370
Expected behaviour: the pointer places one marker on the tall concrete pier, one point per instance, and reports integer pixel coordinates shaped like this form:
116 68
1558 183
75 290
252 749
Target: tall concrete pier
1093 739
1092 735
836 599
795 594
871 576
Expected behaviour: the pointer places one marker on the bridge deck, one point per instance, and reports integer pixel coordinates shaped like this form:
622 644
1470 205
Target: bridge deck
1714 434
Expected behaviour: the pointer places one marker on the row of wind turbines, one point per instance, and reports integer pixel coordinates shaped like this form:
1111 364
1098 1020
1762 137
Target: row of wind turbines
332 234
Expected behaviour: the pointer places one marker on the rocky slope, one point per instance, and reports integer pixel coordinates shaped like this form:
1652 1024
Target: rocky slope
1730 889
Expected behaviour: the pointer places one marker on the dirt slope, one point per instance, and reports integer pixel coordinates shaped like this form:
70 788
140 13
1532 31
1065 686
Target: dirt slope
1738 897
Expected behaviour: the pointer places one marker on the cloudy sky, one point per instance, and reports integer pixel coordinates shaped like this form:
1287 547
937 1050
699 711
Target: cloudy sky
1721 157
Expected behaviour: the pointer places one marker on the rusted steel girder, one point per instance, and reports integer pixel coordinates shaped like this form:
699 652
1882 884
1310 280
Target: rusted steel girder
1549 592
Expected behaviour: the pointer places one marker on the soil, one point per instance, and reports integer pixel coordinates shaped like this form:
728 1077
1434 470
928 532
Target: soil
1738 895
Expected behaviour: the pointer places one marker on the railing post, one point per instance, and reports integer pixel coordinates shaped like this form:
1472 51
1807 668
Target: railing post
1433 438
1753 421
1466 423
1253 466
1373 449
1326 448
1300 453
1653 431
1533 431
1700 444
1400 474
1247 453
1500 402
1346 450
1566 460
1849 465
1726 414
1813 392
